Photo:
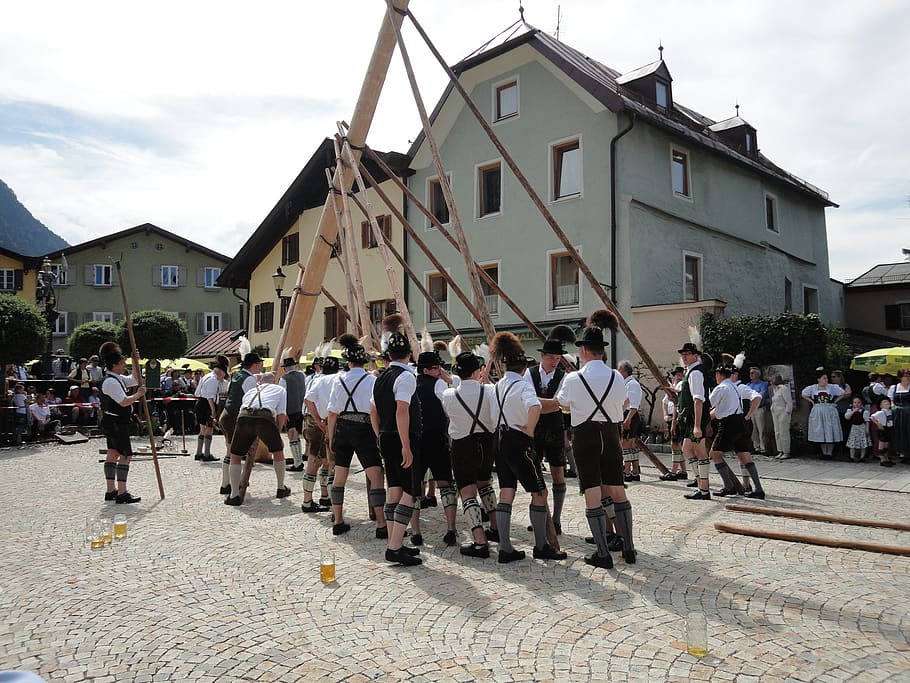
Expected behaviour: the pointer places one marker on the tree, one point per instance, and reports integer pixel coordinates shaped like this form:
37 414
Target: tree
87 337
158 335
23 330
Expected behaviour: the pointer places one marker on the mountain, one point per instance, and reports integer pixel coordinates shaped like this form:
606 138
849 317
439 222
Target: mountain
20 231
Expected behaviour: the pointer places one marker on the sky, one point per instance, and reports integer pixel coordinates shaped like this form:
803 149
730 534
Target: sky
196 116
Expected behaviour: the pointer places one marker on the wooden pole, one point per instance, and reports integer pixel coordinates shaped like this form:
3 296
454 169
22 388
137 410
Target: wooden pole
353 299
817 517
535 198
337 304
813 540
309 281
138 374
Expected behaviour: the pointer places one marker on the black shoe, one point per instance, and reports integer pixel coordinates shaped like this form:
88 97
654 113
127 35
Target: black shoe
417 539
886 463
627 477
571 474
492 535
402 558
669 476
692 484
682 475
428 502
590 539
615 542
530 527
283 493
698 495
126 497
236 500
289 461
596 560
110 495
296 468
451 537
325 502
382 532
207 458
312 506
548 552
198 456
724 492
629 556
340 528
413 552
506 557
225 490
634 477
756 494
475 550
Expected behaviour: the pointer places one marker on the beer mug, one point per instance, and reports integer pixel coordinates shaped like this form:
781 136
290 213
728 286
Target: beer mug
119 527
89 532
96 535
327 567
107 530
696 634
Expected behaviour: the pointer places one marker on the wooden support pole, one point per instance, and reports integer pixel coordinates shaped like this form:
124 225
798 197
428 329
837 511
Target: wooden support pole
541 206
847 544
817 517
337 304
352 276
653 458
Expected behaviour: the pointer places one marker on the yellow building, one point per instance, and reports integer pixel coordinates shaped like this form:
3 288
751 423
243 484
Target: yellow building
18 274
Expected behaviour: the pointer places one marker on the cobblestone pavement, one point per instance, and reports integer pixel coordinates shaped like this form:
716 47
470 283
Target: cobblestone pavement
203 592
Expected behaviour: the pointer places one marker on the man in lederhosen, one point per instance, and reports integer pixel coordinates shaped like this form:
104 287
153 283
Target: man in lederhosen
241 382
631 422
516 411
206 400
350 431
668 404
692 418
396 418
319 460
294 383
469 407
732 434
550 433
751 401
595 396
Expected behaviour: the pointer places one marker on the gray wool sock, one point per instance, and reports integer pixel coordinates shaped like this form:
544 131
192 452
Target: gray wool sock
538 514
504 524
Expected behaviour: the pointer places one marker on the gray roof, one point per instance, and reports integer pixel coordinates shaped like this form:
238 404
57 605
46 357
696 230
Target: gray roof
727 124
884 274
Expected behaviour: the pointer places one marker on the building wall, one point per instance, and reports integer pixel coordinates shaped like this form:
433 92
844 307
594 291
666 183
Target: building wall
28 278
865 309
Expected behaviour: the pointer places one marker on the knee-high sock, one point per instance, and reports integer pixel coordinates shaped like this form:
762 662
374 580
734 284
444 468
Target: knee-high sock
336 493
309 483
472 513
236 471
388 511
123 471
702 468
449 496
753 472
504 523
607 504
295 451
110 472
744 471
559 497
538 514
377 498
724 471
200 441
278 464
624 521
487 497
226 470
323 476
597 522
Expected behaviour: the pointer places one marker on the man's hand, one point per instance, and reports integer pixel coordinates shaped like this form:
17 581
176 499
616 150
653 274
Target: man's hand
627 423
140 392
407 458
696 432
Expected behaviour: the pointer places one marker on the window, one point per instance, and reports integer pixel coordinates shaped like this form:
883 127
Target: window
263 317
437 201
439 292
489 294
285 306
564 289
748 143
102 317
211 276
505 100
170 276
379 310
61 273
691 277
566 164
679 167
335 322
368 239
212 322
290 249
810 300
489 189
771 213
788 295
60 326
7 279
101 275
661 94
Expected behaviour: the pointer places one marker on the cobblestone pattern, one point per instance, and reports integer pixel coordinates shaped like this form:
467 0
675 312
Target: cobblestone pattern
203 592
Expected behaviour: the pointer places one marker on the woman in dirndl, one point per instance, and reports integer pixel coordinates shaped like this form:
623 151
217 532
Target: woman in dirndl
824 420
900 411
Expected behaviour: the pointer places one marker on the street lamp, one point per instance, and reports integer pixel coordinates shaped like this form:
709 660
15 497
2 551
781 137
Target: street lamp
278 279
47 298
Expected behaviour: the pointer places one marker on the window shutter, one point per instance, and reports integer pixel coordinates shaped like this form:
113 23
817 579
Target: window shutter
87 317
200 277
183 317
17 279
200 323
115 276
71 321
89 274
225 321
892 317
156 276
181 276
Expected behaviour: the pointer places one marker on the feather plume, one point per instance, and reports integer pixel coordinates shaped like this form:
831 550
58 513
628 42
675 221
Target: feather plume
694 336
739 360
505 345
603 319
456 346
426 341
439 346
573 361
286 353
726 359
384 340
109 347
562 333
393 322
483 351
348 340
243 346
323 350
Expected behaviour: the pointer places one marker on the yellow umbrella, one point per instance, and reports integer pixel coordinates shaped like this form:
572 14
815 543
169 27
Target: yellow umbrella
883 360
182 364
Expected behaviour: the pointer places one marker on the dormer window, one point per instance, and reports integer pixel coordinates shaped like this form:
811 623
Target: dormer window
652 82
662 94
748 143
738 134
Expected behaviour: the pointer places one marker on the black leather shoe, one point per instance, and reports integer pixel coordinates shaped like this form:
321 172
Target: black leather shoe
312 506
382 532
634 477
451 537
126 497
289 461
698 495
110 495
341 528
225 490
417 539
296 468
590 539
669 476
629 556
506 557
207 458
756 494
283 493
571 474
693 484
325 502
492 535
402 558
475 550
236 500
725 492
596 560
413 552
548 552
614 542
198 456
682 475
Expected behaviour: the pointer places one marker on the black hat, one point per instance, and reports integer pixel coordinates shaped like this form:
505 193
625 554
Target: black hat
466 363
398 342
677 370
555 342
689 347
726 370
356 354
329 365
552 346
251 359
112 358
288 362
428 359
318 360
594 337
221 362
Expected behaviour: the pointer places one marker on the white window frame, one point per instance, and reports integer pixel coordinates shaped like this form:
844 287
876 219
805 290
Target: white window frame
807 286
551 169
699 294
477 188
428 310
688 178
773 198
103 317
205 321
105 267
561 309
60 272
209 270
493 299
58 332
429 200
494 91
7 274
165 280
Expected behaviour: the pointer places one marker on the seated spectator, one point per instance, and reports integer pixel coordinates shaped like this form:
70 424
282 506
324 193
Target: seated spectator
73 415
42 422
94 413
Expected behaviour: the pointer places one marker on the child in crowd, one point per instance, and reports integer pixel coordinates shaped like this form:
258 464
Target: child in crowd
858 438
884 421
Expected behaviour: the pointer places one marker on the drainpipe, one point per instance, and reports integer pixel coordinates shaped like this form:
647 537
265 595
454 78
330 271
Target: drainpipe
613 220
246 323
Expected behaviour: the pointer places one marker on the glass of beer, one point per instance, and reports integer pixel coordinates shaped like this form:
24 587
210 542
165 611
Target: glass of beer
327 567
696 634
107 530
96 535
119 527
89 531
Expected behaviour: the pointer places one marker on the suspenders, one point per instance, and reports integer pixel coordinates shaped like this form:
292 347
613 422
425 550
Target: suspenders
598 402
475 416
350 399
502 402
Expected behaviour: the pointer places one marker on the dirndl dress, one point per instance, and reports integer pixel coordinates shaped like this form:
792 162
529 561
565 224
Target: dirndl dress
858 437
900 412
824 423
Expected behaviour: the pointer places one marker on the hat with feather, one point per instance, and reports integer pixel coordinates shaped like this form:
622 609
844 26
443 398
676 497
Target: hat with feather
352 350
428 357
394 339
466 363
111 353
287 357
557 339
597 322
508 349
694 342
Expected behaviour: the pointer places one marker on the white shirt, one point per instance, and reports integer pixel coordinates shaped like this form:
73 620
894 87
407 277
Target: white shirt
746 393
781 400
21 403
319 392
518 400
208 387
669 403
725 400
40 413
696 380
882 418
896 389
574 396
814 390
849 413
114 388
270 396
459 421
338 397
633 391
